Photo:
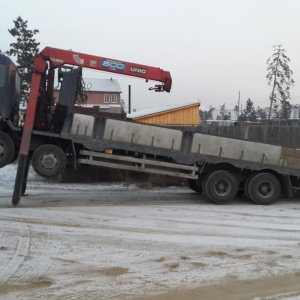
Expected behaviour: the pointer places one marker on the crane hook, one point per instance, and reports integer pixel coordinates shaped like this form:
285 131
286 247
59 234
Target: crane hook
157 88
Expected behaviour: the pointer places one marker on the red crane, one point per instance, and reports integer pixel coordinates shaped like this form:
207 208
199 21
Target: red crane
45 64
58 57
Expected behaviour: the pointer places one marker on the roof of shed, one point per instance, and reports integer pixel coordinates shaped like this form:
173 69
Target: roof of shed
159 109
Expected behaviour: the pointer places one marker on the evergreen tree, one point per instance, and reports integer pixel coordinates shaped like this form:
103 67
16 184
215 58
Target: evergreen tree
249 113
280 77
285 111
25 48
224 114
261 114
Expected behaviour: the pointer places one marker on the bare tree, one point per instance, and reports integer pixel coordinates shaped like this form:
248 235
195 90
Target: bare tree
279 76
224 113
207 115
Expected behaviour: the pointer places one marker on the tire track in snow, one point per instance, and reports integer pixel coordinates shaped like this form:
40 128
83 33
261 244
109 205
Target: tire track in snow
19 255
41 262
32 256
42 249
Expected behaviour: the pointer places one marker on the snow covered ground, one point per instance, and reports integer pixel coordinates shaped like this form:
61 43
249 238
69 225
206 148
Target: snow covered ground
110 241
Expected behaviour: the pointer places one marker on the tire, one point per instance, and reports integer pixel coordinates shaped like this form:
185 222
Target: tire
7 149
264 188
204 180
221 186
246 185
15 157
48 161
195 184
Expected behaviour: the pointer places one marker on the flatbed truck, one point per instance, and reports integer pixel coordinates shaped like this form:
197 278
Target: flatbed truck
56 136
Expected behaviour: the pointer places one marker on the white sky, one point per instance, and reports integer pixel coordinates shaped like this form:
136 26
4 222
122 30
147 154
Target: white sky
213 48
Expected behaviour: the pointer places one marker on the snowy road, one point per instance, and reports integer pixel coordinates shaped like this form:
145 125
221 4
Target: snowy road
116 242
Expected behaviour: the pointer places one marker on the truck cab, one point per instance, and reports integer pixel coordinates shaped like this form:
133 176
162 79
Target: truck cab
9 89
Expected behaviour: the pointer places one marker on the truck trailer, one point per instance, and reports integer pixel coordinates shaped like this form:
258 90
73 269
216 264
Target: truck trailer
57 135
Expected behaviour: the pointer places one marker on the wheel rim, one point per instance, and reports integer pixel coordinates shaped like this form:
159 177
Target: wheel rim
49 161
222 187
266 189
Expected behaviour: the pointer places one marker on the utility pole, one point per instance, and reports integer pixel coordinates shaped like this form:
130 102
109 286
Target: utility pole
238 114
129 99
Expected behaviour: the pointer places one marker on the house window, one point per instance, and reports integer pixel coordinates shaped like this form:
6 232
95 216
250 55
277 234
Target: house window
113 98
106 98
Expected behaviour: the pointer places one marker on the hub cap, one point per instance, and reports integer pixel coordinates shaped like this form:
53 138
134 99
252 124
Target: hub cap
49 161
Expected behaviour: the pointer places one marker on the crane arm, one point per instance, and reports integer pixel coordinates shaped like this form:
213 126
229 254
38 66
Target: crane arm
58 57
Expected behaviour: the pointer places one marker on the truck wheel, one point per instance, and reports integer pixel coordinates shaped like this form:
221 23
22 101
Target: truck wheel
246 185
195 184
7 149
221 186
264 188
49 161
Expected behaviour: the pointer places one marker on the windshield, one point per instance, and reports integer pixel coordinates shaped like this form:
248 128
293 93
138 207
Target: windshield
2 75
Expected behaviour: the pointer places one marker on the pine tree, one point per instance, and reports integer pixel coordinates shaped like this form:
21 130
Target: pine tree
286 109
280 77
25 48
261 114
249 113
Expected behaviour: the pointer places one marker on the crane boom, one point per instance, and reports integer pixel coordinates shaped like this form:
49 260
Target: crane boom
58 57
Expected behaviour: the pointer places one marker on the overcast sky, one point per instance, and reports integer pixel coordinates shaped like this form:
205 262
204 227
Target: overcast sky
212 48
